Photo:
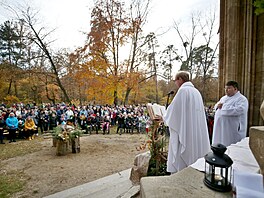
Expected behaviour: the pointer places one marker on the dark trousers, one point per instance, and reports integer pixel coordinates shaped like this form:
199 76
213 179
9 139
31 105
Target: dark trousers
29 132
41 126
96 126
119 127
12 134
1 135
135 127
45 126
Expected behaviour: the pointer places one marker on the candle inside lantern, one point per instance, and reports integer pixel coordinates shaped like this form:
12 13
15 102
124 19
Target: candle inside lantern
218 178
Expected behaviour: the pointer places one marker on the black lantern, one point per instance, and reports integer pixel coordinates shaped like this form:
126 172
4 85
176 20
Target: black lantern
218 169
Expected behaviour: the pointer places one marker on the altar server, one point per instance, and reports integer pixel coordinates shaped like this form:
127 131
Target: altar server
230 122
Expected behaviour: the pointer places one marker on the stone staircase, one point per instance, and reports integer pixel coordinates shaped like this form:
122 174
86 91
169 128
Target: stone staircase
117 185
48 135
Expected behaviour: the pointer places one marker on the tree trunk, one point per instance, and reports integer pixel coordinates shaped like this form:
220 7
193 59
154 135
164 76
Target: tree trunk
127 95
115 98
47 92
9 88
45 50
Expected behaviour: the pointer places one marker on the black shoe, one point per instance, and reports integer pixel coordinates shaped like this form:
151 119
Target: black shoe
14 140
10 141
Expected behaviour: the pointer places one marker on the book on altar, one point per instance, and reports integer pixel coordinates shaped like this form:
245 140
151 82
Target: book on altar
156 111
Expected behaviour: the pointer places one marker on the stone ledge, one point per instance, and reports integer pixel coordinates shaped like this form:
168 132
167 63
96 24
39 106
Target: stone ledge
186 183
256 144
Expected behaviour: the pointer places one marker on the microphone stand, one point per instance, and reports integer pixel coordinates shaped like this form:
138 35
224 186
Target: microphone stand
167 104
168 97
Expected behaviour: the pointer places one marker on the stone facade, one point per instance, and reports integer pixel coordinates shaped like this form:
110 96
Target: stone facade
241 53
256 144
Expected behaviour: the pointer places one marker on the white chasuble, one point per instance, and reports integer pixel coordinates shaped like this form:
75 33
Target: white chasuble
189 139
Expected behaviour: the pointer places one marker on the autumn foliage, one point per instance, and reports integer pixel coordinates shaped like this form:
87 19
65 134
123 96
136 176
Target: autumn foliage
118 63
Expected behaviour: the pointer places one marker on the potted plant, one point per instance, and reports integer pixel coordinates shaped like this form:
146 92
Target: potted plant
62 138
74 135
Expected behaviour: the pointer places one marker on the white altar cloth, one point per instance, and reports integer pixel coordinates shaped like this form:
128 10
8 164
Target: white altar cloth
240 153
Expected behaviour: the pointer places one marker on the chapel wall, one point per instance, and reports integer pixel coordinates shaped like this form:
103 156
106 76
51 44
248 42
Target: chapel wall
241 53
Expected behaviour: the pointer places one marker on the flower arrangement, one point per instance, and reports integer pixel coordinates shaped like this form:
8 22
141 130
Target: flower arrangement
75 133
64 136
157 145
60 134
158 150
66 133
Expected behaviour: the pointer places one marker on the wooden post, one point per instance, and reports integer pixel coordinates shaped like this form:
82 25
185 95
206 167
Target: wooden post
61 147
54 142
75 145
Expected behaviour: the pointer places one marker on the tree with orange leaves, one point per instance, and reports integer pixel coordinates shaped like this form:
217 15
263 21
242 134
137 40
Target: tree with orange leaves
112 28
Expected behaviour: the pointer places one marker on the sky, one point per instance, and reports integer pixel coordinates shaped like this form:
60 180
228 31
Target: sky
71 19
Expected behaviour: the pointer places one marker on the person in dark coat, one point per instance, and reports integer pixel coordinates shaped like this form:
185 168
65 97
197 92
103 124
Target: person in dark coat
121 123
2 127
53 122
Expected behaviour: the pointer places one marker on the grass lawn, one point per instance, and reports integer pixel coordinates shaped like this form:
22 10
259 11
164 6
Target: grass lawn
12 182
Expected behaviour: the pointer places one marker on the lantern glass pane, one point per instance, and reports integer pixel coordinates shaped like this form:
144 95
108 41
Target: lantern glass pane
229 174
208 172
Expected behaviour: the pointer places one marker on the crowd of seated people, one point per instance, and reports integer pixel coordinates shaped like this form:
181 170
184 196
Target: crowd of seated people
26 121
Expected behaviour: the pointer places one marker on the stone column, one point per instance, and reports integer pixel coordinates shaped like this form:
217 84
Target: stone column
241 53
262 110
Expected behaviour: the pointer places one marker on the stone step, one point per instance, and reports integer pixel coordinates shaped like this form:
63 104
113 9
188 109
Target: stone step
133 192
47 135
116 185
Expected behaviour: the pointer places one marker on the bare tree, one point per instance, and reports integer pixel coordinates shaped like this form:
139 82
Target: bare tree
29 17
138 15
206 59
152 43
188 41
36 35
200 57
168 56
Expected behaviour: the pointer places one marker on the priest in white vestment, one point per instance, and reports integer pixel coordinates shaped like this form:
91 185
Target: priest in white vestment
185 117
230 122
